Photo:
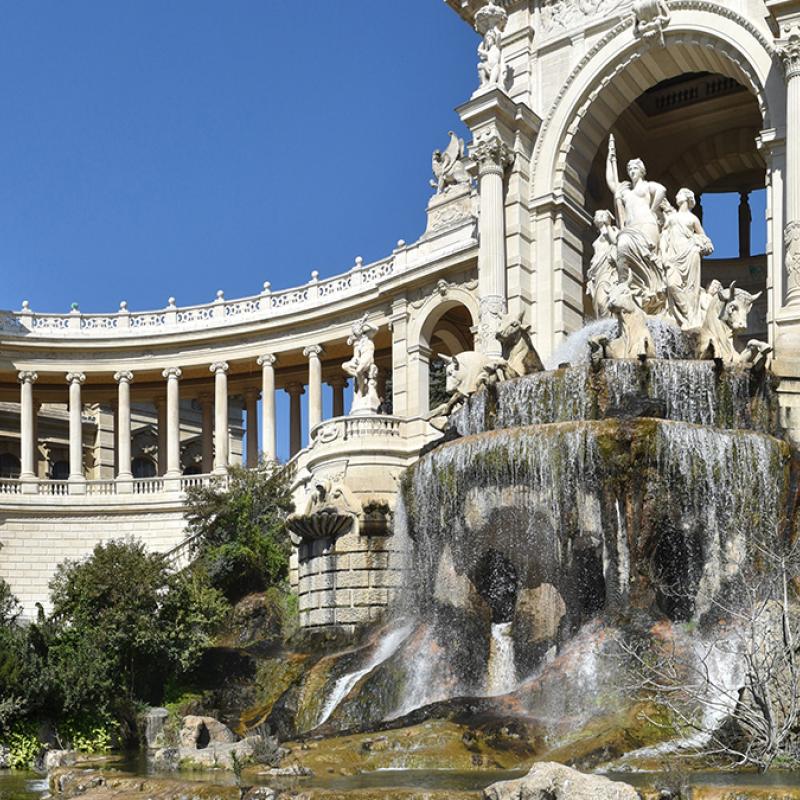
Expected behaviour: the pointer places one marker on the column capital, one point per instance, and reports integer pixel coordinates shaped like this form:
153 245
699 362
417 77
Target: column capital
337 382
218 366
492 154
294 389
27 376
123 376
313 350
173 373
76 377
266 360
789 48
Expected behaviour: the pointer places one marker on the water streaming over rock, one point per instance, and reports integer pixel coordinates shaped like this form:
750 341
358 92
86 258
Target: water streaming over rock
573 498
502 671
384 650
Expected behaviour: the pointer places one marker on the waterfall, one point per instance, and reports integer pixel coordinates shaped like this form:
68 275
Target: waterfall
385 649
502 671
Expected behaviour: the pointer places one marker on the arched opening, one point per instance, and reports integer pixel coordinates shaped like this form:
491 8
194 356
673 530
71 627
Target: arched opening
450 334
698 130
701 109
9 466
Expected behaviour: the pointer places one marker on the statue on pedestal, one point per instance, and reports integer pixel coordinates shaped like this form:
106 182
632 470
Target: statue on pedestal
638 204
449 166
362 368
682 247
494 73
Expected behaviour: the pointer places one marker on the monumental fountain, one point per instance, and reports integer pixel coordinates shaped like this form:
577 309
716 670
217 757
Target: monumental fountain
620 490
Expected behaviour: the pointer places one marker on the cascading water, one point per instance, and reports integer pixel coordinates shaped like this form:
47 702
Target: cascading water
502 671
385 649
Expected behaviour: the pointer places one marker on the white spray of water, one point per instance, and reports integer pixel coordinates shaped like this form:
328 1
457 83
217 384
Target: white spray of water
387 647
502 671
575 348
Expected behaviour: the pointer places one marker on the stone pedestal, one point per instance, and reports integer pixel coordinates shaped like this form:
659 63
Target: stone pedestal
450 209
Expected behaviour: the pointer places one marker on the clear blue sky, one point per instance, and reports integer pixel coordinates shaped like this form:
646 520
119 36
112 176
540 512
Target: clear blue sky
175 147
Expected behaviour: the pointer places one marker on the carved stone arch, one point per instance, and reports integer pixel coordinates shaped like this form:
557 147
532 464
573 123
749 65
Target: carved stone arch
702 36
425 319
700 168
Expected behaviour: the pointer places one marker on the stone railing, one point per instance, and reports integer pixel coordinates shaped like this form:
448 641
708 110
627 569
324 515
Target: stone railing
107 487
346 428
220 312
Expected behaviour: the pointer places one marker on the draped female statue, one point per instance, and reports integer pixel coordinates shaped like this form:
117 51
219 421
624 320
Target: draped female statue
682 247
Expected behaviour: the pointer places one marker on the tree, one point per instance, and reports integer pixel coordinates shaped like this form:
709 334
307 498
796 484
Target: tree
122 624
240 533
735 691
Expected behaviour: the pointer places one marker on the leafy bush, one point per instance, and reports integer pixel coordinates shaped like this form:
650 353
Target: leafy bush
88 734
23 743
241 539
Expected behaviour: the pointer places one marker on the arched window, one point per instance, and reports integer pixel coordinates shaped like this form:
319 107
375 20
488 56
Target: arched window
9 466
143 467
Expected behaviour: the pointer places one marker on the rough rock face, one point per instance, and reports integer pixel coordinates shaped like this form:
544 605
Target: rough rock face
200 732
548 781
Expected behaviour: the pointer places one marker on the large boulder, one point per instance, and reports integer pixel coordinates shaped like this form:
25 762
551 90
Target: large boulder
197 733
548 781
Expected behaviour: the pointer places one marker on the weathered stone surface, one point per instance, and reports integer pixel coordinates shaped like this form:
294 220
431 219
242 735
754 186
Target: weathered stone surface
200 732
548 781
220 754
59 758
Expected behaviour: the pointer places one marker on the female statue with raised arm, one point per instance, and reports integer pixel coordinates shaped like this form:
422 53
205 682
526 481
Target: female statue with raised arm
683 245
637 203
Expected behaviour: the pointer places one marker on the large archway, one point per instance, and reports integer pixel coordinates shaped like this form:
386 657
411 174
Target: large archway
699 110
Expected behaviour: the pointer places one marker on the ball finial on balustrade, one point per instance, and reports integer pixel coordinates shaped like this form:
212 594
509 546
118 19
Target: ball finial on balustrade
171 302
123 305
314 276
220 294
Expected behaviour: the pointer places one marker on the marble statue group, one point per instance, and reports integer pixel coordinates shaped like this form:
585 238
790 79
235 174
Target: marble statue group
647 262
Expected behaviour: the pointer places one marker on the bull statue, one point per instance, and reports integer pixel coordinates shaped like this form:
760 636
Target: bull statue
465 374
518 351
634 340
726 315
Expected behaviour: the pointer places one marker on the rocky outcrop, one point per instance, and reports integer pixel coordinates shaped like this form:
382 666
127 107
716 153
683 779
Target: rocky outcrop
200 732
548 781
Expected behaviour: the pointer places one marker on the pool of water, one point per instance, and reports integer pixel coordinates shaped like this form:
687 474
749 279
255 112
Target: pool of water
21 785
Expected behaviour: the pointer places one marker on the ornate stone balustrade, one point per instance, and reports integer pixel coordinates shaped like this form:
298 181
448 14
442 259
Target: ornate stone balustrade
345 428
109 487
220 312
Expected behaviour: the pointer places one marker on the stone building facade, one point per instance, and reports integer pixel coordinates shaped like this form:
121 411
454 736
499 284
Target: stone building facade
706 93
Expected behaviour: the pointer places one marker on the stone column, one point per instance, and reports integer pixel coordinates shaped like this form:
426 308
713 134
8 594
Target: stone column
220 370
419 380
207 409
790 52
268 444
161 424
27 441
124 473
312 353
745 220
76 476
493 157
37 407
338 385
295 391
251 406
173 376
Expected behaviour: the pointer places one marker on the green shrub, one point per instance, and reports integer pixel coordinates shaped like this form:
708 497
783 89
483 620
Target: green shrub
22 741
241 538
88 734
